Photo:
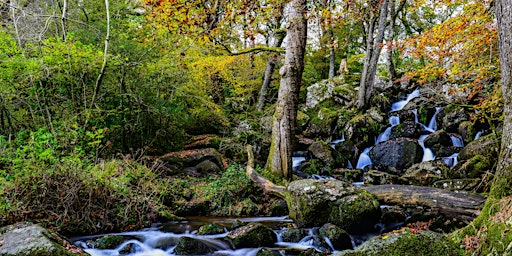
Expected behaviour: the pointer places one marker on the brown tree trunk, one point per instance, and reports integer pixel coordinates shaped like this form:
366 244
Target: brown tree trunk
284 122
269 71
502 184
372 59
332 56
389 53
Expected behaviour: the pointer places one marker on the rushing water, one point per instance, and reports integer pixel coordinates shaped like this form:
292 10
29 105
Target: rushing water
457 140
428 155
364 159
399 105
451 160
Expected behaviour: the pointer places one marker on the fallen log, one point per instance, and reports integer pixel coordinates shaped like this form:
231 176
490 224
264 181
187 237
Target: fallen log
449 203
446 202
267 185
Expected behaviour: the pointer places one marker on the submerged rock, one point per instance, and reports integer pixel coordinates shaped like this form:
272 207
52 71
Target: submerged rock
406 244
33 240
316 202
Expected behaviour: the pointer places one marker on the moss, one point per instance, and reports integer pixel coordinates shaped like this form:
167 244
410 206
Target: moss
210 229
108 242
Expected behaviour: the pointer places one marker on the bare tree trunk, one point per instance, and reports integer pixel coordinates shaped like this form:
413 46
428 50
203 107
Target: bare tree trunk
502 184
269 71
389 53
366 85
284 122
63 20
105 58
362 84
332 56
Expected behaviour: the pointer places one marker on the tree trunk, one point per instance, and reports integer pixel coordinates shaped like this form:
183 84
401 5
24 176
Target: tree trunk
267 79
502 184
372 59
284 122
332 56
389 53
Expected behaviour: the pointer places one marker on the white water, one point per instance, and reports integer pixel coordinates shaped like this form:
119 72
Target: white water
457 140
364 160
296 161
349 165
393 121
451 160
428 155
401 103
478 135
432 125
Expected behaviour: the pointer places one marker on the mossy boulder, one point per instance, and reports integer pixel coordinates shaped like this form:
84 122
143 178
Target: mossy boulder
192 157
407 129
210 229
325 153
426 173
473 168
362 128
439 137
488 146
406 243
191 246
293 235
375 177
252 235
108 242
316 202
452 116
396 155
467 130
33 240
339 238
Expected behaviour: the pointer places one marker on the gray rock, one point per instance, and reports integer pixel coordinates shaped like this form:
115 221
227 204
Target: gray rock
33 240
207 167
407 129
252 235
192 157
426 173
396 155
488 146
316 202
191 246
380 178
452 116
293 235
458 184
406 244
439 137
323 152
339 238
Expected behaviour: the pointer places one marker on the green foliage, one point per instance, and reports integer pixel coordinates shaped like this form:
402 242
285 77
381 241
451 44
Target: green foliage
66 191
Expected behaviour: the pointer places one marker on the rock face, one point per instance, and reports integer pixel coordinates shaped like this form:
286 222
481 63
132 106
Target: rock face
252 235
316 202
396 155
191 158
33 240
452 116
406 244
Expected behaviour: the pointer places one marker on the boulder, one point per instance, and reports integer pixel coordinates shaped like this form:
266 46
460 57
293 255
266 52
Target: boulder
473 168
408 129
334 88
467 130
426 173
339 238
439 137
322 122
316 202
191 246
33 240
325 153
252 235
488 146
396 155
375 177
192 157
452 116
347 149
293 235
361 130
207 167
406 243
210 229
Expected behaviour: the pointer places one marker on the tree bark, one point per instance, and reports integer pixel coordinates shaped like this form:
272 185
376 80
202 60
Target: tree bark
372 59
502 184
267 79
259 180
389 53
332 56
284 122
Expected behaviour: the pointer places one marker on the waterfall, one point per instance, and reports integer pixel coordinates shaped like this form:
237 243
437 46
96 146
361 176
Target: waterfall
349 165
338 141
451 160
364 160
478 134
393 121
457 140
401 103
423 127
296 161
432 125
428 155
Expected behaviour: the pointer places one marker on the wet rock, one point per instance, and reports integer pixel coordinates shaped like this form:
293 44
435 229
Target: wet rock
467 130
439 137
267 252
293 235
339 238
396 155
375 177
361 130
458 184
252 235
107 242
302 121
33 240
210 229
316 202
407 129
406 244
393 216
347 175
191 246
322 123
347 150
488 146
426 173
452 116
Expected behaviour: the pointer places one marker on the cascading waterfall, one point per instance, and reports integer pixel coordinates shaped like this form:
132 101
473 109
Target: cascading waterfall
399 105
296 161
428 155
478 135
393 121
451 161
457 140
432 125
364 159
